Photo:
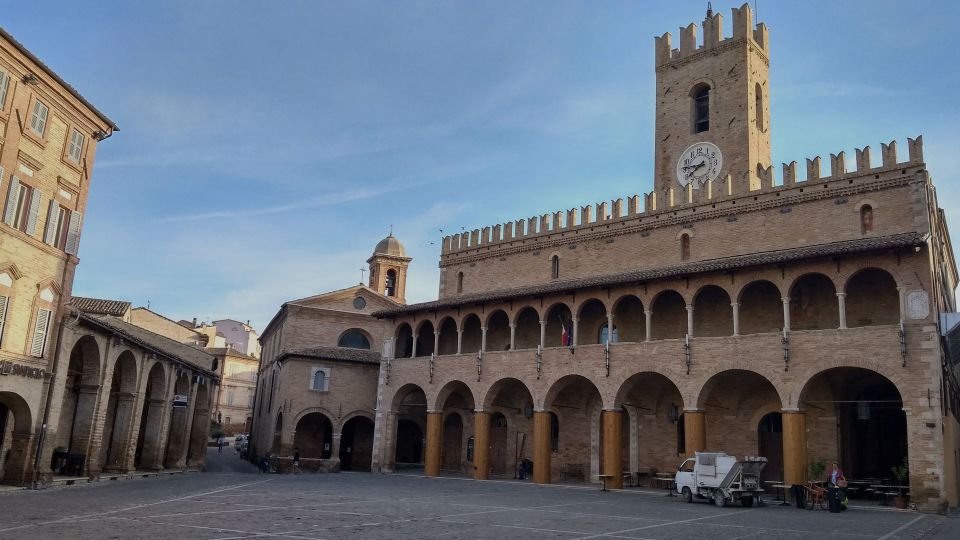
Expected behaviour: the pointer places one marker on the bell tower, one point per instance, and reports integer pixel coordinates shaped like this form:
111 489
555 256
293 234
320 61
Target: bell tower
713 106
388 269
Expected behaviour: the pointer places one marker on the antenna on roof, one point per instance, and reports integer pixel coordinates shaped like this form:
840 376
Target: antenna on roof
148 303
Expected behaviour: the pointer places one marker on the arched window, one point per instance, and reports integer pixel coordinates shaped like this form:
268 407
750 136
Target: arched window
684 247
319 380
614 338
391 284
354 339
701 108
459 282
554 433
555 267
759 106
866 219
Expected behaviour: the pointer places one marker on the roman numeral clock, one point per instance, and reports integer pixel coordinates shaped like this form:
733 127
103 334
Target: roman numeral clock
699 163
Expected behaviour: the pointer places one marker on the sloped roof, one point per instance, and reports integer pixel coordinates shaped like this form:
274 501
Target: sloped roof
845 247
336 353
151 341
117 308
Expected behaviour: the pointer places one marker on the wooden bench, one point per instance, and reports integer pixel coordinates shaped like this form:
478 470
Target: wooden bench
570 470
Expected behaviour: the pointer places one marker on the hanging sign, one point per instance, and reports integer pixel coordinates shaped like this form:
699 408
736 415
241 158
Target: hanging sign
180 401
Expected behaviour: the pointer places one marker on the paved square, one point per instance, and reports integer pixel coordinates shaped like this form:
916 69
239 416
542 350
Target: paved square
234 505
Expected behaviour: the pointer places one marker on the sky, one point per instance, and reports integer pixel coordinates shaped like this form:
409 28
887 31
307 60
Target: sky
266 147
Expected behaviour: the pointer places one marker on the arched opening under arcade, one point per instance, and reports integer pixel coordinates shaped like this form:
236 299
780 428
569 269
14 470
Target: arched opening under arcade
356 444
578 405
527 333
629 319
200 425
313 436
81 387
410 407
669 318
120 404
855 416
872 298
652 406
592 321
177 437
425 339
472 334
559 331
761 308
712 313
151 420
510 405
16 423
813 303
448 336
498 331
456 405
404 343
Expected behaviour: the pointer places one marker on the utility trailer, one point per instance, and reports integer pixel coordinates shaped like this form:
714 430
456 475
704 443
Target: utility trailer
720 477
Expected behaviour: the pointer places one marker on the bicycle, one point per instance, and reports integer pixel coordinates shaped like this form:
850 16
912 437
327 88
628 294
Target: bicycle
816 496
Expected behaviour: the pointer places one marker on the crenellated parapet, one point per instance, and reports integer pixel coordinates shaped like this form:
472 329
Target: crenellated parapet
639 207
743 28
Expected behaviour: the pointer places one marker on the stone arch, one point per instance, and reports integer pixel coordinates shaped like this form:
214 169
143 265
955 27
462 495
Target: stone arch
872 298
81 387
510 404
712 312
813 303
527 324
591 319
448 336
155 405
15 440
733 369
451 388
313 435
121 399
177 437
200 426
669 318
354 414
424 336
356 441
577 402
355 338
761 307
629 319
498 331
558 313
730 399
653 403
404 343
471 333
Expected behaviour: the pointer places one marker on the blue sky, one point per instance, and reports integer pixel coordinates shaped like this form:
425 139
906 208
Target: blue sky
265 147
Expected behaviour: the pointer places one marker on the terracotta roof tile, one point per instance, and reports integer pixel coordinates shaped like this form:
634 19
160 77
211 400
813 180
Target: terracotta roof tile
336 353
117 308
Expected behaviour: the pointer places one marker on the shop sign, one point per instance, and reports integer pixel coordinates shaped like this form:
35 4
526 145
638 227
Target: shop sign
180 401
10 368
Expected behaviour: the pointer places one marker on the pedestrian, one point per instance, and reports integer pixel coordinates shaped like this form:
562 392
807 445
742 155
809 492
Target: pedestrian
837 483
296 461
220 445
265 463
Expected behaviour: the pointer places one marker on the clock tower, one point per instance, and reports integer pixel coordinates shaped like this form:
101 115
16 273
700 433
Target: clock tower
713 106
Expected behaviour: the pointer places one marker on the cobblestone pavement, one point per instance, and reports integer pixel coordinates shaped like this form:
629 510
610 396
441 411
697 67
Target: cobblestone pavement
235 505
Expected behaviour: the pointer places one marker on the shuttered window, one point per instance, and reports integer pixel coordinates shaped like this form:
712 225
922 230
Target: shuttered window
38 119
40 329
23 206
4 88
73 234
4 300
76 146
58 225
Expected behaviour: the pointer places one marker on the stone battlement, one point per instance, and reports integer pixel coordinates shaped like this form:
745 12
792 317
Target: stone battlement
725 188
743 28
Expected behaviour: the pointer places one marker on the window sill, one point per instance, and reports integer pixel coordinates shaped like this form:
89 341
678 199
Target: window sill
29 134
320 391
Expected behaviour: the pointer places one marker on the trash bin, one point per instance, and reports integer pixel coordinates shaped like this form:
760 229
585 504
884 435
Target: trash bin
834 499
799 495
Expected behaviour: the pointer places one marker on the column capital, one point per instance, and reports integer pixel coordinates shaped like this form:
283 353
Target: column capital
543 322
841 294
734 304
480 410
689 307
648 312
434 412
786 299
792 410
483 328
694 410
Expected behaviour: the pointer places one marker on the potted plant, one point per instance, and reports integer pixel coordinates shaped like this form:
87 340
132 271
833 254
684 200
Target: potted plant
901 473
816 469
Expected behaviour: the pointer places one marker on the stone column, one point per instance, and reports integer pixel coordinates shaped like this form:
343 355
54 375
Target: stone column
612 440
543 334
541 447
690 320
901 296
610 328
431 463
178 459
842 305
122 417
694 431
413 348
513 337
576 331
786 313
481 445
18 465
436 342
459 340
736 318
153 433
483 338
335 446
649 323
794 447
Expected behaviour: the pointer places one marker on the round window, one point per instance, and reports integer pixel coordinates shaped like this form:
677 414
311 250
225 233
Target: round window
359 302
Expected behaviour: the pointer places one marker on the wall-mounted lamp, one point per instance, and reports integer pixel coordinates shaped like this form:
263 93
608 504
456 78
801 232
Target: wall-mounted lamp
673 413
30 78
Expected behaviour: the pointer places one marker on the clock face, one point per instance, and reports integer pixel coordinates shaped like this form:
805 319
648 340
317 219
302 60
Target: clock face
698 164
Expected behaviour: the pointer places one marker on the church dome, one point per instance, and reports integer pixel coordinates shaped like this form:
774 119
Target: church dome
389 246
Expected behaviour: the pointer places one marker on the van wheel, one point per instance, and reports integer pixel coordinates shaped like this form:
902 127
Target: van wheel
687 495
719 499
747 502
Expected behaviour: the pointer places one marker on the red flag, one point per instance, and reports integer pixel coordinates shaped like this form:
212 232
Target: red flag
564 335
